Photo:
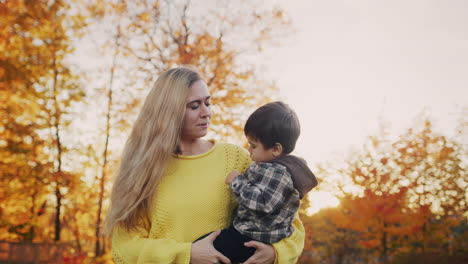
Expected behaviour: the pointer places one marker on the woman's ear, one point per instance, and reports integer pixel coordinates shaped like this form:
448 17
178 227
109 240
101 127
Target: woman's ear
277 150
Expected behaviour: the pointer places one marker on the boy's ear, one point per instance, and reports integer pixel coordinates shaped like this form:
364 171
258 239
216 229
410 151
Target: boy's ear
277 150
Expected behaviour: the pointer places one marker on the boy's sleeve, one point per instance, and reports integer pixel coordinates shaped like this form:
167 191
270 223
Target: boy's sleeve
136 247
268 193
288 250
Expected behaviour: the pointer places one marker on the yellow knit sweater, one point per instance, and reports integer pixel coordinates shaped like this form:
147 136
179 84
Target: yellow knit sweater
192 200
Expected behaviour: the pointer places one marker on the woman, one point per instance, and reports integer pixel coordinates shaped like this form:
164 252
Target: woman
169 189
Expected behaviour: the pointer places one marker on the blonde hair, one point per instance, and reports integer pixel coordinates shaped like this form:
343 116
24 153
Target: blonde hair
154 138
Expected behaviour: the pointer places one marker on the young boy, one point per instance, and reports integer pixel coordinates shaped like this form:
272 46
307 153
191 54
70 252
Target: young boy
270 191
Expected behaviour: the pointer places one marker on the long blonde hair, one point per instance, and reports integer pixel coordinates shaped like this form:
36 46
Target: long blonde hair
154 138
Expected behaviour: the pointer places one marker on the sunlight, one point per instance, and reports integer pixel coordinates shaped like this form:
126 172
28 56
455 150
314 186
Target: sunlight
320 200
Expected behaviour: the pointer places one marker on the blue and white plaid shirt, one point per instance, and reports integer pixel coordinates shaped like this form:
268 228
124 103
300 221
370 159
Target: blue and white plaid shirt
267 202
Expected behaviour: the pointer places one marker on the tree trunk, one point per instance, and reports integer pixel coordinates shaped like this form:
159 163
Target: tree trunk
384 257
58 173
98 249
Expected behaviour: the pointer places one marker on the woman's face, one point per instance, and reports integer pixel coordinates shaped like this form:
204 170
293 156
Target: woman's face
197 112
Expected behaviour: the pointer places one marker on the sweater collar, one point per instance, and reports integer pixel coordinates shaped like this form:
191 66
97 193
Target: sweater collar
215 144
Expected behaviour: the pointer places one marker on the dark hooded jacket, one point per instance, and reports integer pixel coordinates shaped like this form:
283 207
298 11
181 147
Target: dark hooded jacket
303 178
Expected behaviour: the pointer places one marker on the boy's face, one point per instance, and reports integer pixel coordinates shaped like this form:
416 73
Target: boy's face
258 153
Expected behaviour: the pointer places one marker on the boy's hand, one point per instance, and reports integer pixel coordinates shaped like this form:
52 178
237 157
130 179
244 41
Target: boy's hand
231 176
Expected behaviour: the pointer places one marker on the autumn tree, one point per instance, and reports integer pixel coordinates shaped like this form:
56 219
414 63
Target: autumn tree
38 88
376 208
432 165
115 115
100 248
61 88
210 36
399 197
24 161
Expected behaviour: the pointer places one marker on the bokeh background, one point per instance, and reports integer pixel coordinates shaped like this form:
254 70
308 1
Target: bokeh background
380 88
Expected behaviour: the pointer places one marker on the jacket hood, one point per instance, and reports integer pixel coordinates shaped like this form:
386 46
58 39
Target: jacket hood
303 178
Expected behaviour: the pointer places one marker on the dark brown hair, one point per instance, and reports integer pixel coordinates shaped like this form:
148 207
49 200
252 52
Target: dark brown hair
274 123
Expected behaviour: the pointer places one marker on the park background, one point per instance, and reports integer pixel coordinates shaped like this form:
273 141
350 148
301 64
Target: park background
380 88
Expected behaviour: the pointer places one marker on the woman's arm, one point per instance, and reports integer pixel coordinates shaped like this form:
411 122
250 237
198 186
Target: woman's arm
135 247
288 250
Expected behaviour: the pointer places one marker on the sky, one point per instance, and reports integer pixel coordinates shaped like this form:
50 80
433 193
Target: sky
353 61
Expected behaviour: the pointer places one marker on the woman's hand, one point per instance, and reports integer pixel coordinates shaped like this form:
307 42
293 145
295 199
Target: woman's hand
264 253
204 252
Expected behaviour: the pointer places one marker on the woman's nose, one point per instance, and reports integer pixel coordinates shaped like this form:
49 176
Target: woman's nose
205 111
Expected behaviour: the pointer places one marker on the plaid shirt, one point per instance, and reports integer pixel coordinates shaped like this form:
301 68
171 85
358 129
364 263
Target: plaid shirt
267 202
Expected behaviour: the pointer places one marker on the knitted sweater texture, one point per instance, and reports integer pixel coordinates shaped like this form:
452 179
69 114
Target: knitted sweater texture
191 200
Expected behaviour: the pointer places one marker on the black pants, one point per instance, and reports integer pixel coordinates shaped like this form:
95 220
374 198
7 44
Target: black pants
230 243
